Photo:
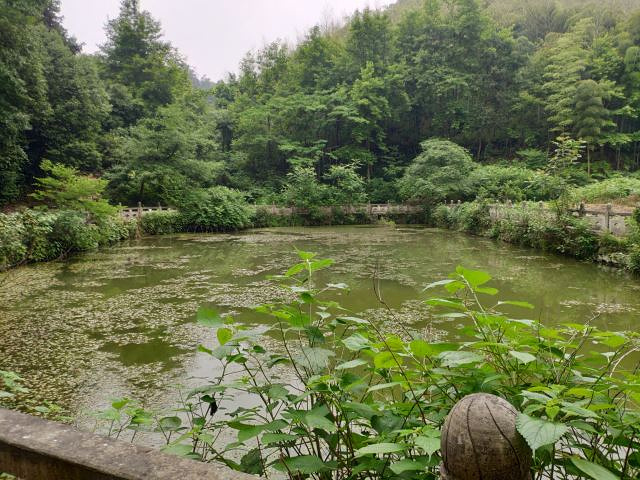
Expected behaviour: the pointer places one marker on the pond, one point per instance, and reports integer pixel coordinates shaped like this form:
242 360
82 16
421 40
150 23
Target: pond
121 321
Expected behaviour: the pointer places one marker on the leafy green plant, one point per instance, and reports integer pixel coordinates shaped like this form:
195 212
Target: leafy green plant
619 190
35 236
214 209
341 397
65 188
161 223
437 173
10 384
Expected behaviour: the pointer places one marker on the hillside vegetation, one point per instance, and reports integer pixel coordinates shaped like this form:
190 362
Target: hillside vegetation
338 118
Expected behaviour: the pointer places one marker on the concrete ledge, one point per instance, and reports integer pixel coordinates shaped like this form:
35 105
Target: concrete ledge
35 449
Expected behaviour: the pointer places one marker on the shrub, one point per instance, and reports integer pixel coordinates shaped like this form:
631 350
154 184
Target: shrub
533 158
161 223
35 236
303 190
634 259
537 228
442 216
346 186
523 225
214 209
472 217
38 227
619 190
511 183
71 232
437 173
12 249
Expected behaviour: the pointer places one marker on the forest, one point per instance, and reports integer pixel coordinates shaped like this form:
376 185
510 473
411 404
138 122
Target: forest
337 118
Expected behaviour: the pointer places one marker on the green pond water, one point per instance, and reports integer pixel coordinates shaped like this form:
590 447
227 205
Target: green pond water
121 321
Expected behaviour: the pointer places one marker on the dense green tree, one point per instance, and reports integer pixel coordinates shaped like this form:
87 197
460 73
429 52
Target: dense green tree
347 186
70 133
143 71
22 89
164 155
498 78
369 41
592 118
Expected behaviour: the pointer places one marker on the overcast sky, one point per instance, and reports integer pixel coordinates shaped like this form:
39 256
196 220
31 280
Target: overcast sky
213 34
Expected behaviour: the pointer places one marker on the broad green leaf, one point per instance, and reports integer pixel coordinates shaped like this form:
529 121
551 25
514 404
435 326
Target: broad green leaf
361 409
278 392
420 348
120 403
438 284
320 264
429 444
578 411
297 319
246 434
358 362
379 448
297 268
382 386
455 286
475 278
323 423
455 359
315 359
356 342
408 465
387 422
224 335
552 411
305 464
305 255
387 360
208 317
487 290
203 349
523 357
614 341
538 432
170 423
597 472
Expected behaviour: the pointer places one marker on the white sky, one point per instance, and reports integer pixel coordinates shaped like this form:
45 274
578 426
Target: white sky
214 35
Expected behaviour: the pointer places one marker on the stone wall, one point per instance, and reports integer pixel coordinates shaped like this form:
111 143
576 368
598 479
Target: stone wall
603 218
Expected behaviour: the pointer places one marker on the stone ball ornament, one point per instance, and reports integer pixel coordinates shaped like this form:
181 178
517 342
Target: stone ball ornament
480 441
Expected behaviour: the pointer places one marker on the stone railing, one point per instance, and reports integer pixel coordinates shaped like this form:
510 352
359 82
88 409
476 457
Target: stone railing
371 209
603 218
35 449
137 212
